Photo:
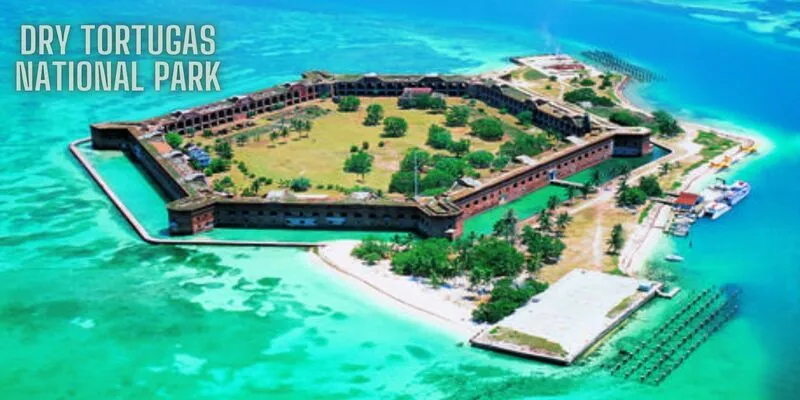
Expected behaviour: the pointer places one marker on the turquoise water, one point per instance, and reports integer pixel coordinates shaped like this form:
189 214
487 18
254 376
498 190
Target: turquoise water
89 311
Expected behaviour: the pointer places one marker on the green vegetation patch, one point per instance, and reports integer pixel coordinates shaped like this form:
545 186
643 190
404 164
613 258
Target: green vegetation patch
621 306
713 146
534 343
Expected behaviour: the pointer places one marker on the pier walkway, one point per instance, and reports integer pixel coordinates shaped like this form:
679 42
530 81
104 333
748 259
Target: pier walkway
563 183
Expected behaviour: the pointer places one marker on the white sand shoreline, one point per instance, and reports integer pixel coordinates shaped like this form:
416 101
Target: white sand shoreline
446 308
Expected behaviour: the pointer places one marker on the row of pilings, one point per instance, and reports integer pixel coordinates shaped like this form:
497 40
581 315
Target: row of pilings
664 349
614 63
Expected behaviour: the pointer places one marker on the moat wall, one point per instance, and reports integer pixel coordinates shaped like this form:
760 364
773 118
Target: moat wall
533 178
121 137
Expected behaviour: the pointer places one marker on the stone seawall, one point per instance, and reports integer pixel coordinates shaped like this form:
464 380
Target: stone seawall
533 178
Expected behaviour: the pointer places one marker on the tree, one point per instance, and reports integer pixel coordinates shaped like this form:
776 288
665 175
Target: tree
489 129
562 221
349 104
495 255
371 250
665 168
300 184
394 127
457 116
505 299
529 145
617 239
596 178
223 149
546 246
273 136
666 124
415 159
284 132
427 258
552 202
480 159
650 186
306 127
439 138
585 190
571 191
437 179
174 140
438 104
525 117
506 227
359 163
545 225
500 162
625 118
402 182
241 139
374 115
460 147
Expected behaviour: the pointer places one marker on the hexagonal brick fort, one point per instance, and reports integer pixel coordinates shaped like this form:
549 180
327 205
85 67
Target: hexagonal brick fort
194 208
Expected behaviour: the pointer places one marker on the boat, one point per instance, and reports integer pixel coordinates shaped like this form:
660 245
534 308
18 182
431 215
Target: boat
736 192
674 258
717 209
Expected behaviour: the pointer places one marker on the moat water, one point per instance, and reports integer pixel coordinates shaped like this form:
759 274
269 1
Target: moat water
89 311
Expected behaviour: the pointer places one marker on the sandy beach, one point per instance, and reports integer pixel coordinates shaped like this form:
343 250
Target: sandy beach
449 307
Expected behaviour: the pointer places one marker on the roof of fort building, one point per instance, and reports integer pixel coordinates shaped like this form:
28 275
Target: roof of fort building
401 77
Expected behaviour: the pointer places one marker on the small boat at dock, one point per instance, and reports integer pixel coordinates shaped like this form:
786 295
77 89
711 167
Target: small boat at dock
673 258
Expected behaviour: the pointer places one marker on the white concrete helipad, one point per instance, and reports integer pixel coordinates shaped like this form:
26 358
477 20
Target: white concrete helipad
565 320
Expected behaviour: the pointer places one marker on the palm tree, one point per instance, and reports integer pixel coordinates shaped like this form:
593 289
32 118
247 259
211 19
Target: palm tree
617 239
571 191
552 202
506 227
597 177
545 224
273 136
665 168
562 221
585 190
307 127
284 132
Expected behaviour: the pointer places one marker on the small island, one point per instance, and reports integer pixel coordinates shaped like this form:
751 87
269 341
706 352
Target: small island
424 155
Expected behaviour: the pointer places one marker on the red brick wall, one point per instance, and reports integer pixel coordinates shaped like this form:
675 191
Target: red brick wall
533 179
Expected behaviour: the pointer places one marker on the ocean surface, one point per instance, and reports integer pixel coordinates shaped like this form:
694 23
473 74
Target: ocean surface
89 311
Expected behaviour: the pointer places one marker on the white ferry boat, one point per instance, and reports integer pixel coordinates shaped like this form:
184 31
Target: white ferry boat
736 192
716 209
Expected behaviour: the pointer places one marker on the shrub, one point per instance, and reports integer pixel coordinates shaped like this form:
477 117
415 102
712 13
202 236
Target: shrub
480 159
525 117
500 162
374 115
300 184
439 138
174 140
365 145
625 118
586 82
394 127
371 250
460 147
489 129
426 258
381 143
506 298
349 104
353 149
457 116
